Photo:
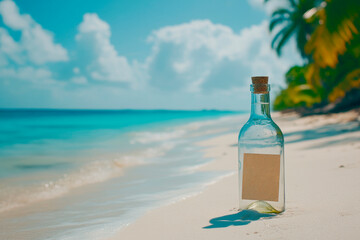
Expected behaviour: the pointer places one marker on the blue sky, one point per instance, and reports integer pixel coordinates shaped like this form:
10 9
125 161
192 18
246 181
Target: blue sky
135 54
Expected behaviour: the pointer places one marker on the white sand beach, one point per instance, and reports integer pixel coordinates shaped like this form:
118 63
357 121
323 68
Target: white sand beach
322 159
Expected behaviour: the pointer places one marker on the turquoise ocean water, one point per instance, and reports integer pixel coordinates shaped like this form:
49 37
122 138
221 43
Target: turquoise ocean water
83 174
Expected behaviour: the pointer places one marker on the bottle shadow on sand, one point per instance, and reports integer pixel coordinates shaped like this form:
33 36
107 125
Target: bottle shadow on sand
241 218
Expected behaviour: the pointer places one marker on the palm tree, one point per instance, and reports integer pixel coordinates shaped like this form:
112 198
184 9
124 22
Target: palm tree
292 21
339 25
335 46
328 36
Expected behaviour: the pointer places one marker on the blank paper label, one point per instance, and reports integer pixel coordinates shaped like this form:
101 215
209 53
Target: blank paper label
261 177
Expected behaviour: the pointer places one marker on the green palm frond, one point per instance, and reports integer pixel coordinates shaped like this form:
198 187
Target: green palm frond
328 37
281 11
292 2
292 22
276 21
277 36
296 96
284 38
301 39
351 81
340 24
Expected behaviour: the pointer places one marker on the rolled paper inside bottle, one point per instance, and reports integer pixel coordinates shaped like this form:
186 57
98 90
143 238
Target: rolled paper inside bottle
260 84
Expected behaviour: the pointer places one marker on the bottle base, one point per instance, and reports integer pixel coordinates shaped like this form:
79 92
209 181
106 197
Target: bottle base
263 207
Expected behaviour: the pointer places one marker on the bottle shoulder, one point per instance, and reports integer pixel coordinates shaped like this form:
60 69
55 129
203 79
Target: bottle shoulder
260 129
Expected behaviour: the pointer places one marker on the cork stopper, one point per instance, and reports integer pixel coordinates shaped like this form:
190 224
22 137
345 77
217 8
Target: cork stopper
260 84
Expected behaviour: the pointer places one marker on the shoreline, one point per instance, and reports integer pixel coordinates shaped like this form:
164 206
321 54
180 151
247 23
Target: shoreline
92 163
166 170
320 164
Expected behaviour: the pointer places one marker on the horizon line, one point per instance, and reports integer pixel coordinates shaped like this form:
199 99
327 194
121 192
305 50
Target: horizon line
121 109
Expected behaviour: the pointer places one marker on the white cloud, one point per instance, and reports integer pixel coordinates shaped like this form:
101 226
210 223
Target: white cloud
79 80
198 56
22 62
269 6
40 46
9 48
76 70
36 43
256 3
202 55
29 74
11 16
104 62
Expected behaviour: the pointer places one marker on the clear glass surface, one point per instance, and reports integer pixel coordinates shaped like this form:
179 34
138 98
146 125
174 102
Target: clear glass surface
262 136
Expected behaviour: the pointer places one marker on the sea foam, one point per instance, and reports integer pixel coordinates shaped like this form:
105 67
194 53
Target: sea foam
94 172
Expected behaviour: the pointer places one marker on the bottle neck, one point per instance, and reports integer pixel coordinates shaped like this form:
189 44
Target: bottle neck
260 106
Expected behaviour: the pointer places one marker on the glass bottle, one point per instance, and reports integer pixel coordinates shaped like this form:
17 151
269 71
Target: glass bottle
261 155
